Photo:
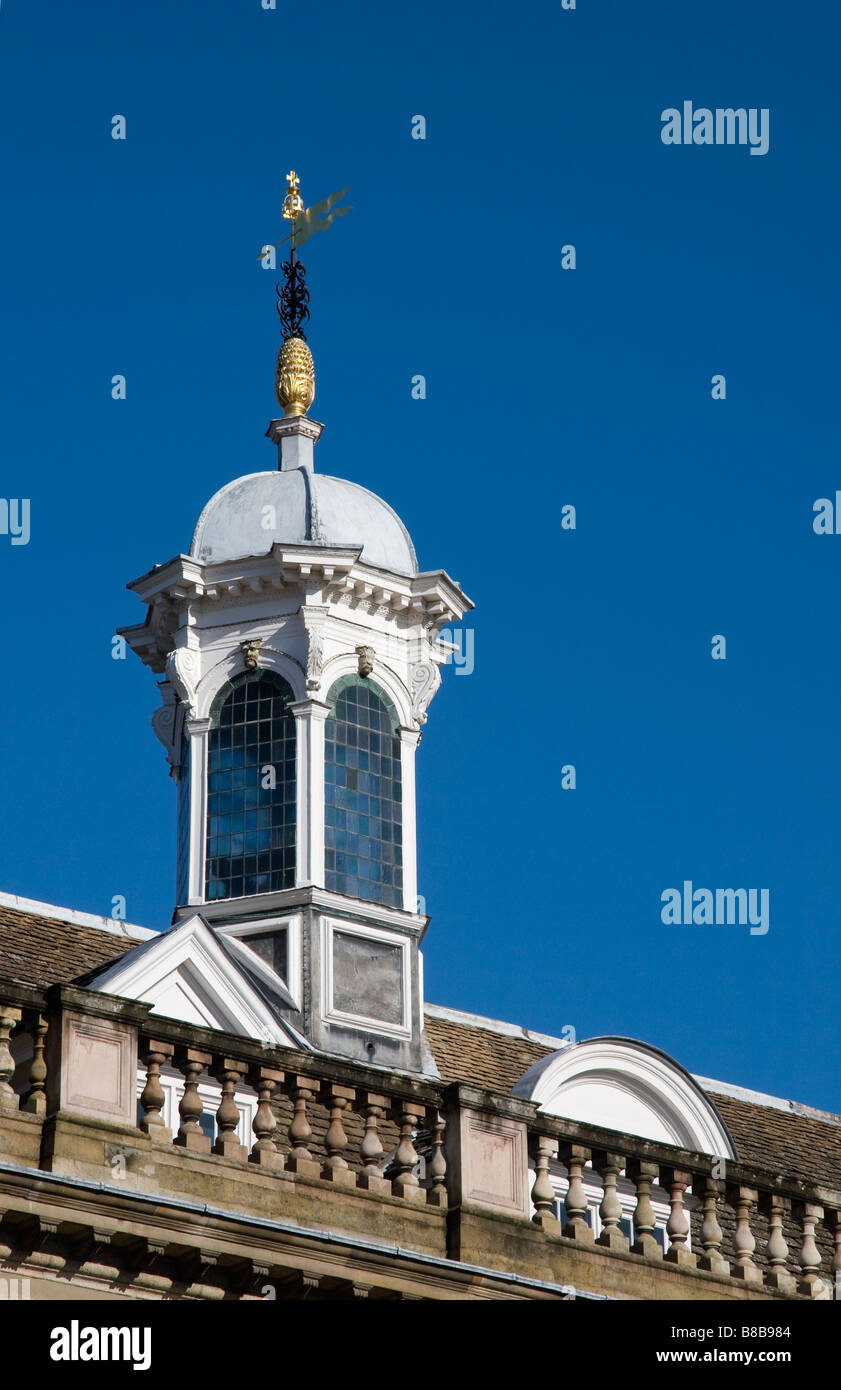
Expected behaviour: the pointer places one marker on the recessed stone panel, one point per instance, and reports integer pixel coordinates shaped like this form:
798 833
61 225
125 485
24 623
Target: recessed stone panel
368 978
99 1069
494 1156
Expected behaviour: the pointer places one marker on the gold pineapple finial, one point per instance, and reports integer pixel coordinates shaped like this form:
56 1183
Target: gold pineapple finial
295 374
295 377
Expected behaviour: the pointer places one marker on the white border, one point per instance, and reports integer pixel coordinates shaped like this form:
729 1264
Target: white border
330 1014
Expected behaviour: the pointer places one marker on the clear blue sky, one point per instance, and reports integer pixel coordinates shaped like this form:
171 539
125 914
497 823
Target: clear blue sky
545 387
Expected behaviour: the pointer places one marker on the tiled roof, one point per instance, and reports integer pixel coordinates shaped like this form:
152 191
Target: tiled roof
797 1146
39 951
769 1135
468 1052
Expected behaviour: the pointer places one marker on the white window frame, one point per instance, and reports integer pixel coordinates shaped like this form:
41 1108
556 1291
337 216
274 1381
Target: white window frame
329 927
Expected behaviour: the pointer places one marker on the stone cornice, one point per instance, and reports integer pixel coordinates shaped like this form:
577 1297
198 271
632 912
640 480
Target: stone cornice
306 895
331 576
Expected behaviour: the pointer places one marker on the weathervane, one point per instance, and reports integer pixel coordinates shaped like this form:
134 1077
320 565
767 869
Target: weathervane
295 377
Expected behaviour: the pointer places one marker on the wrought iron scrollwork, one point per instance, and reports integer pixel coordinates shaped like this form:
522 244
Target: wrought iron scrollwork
293 299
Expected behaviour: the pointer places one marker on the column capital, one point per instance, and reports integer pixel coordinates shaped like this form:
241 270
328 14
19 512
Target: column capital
408 736
196 727
310 709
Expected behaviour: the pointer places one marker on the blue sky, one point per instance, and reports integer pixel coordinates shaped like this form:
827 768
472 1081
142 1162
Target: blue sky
546 387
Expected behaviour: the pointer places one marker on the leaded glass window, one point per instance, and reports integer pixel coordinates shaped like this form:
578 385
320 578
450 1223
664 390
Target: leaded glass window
251 788
363 832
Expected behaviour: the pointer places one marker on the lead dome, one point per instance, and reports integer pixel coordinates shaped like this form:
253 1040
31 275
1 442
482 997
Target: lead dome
307 507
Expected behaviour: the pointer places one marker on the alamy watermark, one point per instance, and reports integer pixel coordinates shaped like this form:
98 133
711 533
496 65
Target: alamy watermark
719 907
14 519
82 1343
14 1290
725 125
827 518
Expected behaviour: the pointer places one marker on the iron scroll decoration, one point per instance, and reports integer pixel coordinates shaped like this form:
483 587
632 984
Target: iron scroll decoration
293 299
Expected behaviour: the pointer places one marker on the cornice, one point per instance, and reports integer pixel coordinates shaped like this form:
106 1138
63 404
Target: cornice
258 906
334 577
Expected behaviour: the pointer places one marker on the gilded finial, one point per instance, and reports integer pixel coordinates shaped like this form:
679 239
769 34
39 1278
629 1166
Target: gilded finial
295 377
293 203
295 374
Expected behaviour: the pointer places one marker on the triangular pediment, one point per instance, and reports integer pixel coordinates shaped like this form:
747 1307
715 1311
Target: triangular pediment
189 974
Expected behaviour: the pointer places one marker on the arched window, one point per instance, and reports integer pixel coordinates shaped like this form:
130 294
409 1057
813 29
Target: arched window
251 788
363 831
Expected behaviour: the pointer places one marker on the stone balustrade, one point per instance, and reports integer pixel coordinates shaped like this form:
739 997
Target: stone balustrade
726 1218
456 1153
353 1136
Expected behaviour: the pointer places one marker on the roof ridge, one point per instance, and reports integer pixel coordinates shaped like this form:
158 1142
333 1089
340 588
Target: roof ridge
721 1088
790 1107
112 925
495 1025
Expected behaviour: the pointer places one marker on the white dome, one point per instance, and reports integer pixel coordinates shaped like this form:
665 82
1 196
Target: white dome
308 507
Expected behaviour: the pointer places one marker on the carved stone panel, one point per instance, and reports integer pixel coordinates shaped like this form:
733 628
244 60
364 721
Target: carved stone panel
97 1068
494 1171
368 978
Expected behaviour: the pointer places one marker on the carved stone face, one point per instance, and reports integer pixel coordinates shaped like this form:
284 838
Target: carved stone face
366 660
250 652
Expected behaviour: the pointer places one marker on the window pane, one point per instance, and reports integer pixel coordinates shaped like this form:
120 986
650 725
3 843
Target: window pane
363 784
252 744
270 946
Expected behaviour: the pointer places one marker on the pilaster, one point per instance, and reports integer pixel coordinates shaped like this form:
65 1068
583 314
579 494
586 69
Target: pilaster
196 730
310 718
409 740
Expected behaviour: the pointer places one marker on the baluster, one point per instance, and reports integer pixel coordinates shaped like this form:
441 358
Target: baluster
152 1098
811 1283
373 1108
833 1221
643 1175
743 1199
229 1073
677 1226
405 1184
336 1170
609 1166
436 1168
711 1235
36 1101
777 1276
9 1099
302 1089
836 1262
191 1063
575 1202
265 1080
543 1194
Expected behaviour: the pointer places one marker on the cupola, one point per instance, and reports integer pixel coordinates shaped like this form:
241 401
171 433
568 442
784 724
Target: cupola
298 649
